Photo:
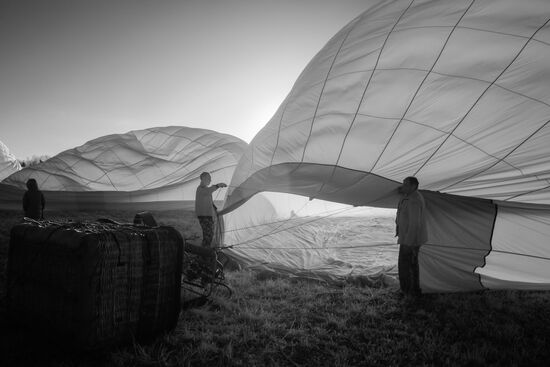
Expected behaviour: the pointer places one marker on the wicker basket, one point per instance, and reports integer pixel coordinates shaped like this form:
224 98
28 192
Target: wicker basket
94 285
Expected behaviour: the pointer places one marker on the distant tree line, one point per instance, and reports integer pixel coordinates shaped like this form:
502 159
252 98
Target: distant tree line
33 161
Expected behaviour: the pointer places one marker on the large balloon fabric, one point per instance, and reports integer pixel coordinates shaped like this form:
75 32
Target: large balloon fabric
160 164
453 92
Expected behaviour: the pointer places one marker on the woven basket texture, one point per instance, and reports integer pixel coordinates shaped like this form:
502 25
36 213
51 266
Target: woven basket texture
94 284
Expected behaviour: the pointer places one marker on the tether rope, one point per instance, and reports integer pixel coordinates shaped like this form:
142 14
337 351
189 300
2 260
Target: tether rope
385 244
275 230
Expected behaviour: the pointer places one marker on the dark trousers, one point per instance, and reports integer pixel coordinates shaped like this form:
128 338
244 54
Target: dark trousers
207 225
408 270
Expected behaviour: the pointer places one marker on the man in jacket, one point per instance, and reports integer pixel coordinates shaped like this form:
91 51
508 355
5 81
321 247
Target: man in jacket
411 234
205 209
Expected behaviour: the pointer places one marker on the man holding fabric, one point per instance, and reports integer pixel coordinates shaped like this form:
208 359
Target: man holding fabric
205 209
411 234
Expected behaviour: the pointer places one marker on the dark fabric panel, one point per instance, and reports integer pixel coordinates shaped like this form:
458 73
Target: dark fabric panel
319 181
459 238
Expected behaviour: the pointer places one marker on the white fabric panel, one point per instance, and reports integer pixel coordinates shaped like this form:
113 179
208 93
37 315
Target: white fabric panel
477 54
441 167
507 16
527 75
359 56
408 154
503 178
443 100
302 106
328 139
413 48
509 271
531 156
538 196
493 125
523 175
543 35
390 92
346 91
522 231
427 14
8 162
520 255
366 141
293 148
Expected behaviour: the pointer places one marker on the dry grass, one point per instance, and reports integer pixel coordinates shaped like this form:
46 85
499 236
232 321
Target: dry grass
280 322
291 322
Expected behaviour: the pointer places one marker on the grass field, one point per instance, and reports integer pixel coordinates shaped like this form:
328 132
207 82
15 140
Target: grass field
278 321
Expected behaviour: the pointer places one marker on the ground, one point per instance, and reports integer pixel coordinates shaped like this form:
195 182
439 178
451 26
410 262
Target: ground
279 321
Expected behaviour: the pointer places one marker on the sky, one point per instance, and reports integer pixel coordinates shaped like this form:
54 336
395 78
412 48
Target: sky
73 70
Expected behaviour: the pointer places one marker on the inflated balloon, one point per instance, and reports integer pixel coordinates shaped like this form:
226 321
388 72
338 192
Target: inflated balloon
160 164
455 93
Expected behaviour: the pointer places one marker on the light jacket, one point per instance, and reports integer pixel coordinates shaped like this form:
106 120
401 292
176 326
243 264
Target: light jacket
411 220
204 206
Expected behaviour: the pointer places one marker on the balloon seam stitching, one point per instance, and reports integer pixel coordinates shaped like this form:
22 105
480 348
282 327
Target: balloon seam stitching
362 96
421 84
480 97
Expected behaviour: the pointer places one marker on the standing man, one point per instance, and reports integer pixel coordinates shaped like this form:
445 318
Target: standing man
411 234
205 208
33 200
